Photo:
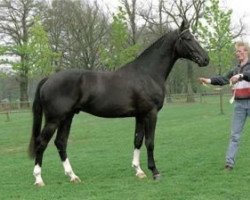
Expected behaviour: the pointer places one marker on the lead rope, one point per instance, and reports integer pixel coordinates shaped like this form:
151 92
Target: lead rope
234 89
231 101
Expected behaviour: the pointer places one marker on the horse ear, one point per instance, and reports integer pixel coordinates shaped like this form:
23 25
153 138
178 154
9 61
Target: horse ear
184 25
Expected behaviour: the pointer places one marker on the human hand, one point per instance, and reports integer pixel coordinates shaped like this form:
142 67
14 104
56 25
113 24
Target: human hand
234 79
204 80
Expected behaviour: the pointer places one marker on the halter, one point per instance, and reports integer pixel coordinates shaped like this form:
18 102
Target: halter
179 38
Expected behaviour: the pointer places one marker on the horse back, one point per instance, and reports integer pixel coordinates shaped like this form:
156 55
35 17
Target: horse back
113 94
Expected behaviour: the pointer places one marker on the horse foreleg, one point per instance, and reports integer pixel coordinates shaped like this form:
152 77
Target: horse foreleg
139 134
136 164
61 144
41 144
151 120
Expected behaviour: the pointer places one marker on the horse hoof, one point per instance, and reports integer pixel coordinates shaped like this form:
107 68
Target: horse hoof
157 177
75 180
39 184
141 175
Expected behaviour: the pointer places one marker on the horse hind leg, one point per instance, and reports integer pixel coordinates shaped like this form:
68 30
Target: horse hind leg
61 144
138 140
149 142
41 144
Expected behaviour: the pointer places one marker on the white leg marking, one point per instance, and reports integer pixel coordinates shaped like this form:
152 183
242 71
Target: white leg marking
136 164
69 172
37 173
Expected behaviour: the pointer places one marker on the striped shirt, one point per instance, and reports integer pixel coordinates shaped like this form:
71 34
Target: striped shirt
242 88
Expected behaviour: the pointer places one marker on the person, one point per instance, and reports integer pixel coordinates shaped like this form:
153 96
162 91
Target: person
239 77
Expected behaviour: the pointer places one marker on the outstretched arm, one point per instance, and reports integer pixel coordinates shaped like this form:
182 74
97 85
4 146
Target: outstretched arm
204 80
219 79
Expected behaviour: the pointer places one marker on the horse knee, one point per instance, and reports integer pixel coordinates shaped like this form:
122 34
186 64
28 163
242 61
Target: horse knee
138 144
41 143
41 147
150 145
138 140
60 145
43 139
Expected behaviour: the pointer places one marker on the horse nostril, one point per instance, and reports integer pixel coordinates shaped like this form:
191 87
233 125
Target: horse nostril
206 61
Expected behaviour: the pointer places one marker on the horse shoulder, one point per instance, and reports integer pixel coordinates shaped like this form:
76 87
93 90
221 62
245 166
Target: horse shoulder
148 93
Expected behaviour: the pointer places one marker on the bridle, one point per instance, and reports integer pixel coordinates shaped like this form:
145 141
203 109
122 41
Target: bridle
179 38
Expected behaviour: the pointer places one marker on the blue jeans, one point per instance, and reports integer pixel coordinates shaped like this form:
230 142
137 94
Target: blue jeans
241 111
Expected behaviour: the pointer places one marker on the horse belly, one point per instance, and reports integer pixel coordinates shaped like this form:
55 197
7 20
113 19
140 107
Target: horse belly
109 108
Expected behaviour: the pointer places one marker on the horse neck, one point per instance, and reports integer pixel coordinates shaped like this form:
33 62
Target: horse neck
158 60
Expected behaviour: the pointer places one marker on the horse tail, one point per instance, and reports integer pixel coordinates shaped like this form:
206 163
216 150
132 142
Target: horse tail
37 110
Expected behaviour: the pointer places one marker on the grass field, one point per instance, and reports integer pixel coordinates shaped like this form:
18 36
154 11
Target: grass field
191 140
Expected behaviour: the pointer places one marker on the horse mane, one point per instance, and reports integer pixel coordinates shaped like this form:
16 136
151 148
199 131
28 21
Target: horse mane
163 40
162 45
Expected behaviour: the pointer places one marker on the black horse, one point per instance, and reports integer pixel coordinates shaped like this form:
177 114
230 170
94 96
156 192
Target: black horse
135 90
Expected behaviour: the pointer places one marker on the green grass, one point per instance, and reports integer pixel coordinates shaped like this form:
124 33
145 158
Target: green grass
191 140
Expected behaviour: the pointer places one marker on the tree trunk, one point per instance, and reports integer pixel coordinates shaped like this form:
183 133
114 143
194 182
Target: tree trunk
221 103
190 93
221 91
24 99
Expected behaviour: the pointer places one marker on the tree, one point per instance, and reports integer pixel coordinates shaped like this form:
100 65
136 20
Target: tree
41 58
16 18
76 29
119 50
135 25
218 37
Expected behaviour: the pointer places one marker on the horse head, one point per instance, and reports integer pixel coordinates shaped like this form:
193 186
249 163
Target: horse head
188 47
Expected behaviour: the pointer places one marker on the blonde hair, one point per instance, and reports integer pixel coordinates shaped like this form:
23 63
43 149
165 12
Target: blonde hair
242 44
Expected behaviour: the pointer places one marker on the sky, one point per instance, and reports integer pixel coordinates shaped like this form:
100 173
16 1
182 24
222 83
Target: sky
241 10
